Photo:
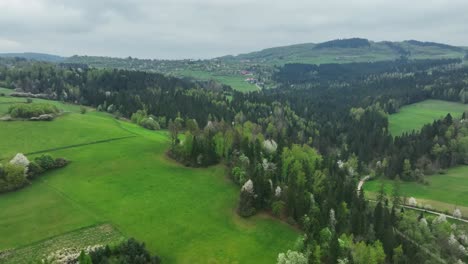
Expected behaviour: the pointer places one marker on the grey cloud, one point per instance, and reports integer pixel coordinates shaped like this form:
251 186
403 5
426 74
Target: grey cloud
209 28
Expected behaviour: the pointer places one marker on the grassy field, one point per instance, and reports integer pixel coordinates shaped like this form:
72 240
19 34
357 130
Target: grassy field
415 116
444 192
184 215
236 82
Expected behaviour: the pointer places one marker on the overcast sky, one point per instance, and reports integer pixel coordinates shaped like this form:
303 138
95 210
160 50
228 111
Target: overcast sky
174 29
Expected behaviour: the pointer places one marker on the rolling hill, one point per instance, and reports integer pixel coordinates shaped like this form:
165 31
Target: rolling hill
34 56
351 50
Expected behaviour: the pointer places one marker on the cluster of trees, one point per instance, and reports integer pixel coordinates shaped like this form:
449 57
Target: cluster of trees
129 251
150 122
443 240
20 171
28 110
121 92
439 145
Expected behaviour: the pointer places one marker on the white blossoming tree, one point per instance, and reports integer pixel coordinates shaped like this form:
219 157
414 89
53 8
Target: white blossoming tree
412 201
440 219
457 213
246 201
270 146
278 191
291 257
21 160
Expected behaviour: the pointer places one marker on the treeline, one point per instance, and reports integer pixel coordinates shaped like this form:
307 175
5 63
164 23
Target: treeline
20 171
121 92
301 73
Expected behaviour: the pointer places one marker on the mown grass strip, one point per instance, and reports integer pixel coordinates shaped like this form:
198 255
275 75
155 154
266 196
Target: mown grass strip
76 145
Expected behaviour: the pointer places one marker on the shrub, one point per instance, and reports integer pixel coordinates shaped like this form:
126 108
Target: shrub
34 169
32 110
138 116
150 123
130 251
60 162
83 110
277 207
12 178
45 161
20 159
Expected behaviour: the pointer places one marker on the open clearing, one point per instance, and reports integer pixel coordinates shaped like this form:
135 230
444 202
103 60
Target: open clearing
415 116
184 215
236 82
444 192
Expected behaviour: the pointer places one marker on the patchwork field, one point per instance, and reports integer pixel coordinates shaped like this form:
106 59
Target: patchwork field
184 215
444 191
415 116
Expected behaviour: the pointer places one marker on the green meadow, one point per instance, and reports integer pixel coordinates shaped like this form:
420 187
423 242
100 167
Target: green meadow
415 116
237 82
184 215
444 191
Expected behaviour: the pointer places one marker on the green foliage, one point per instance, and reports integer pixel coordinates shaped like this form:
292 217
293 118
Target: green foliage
83 110
34 170
130 251
12 177
368 254
277 207
32 110
84 258
150 123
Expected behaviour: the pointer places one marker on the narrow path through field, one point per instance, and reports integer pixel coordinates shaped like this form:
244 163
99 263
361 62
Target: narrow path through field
75 145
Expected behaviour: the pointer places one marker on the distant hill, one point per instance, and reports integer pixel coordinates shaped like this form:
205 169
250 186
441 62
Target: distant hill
351 50
34 56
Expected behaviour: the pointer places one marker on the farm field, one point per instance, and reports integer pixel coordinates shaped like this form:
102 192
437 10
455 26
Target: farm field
184 215
415 116
444 192
236 82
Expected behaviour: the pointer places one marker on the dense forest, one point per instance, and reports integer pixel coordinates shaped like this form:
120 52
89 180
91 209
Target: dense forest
297 151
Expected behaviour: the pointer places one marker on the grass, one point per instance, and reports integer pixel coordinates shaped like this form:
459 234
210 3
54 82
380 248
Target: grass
185 215
101 234
237 82
415 116
444 192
